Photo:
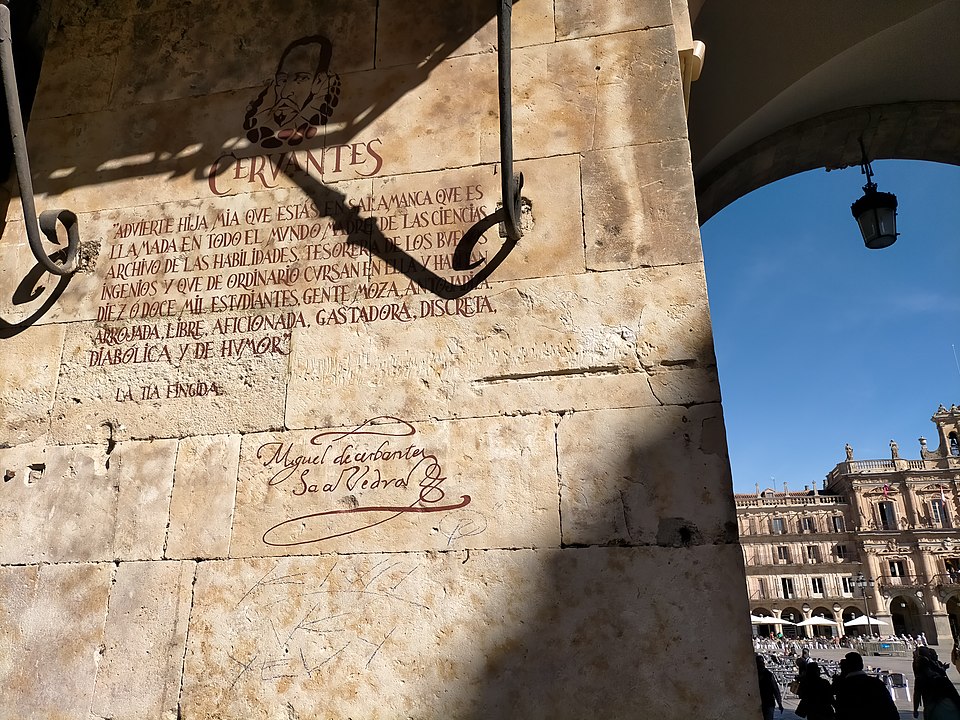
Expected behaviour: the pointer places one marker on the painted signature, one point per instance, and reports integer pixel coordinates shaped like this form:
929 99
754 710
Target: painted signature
354 465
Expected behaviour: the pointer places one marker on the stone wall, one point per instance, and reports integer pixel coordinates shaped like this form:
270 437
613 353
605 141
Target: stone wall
306 436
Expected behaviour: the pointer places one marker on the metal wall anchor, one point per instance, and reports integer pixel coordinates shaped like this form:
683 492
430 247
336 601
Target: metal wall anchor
49 218
510 184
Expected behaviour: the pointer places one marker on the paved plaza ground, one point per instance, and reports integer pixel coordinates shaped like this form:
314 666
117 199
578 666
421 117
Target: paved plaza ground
892 664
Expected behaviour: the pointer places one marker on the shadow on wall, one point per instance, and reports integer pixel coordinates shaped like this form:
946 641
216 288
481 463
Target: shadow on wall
292 113
642 612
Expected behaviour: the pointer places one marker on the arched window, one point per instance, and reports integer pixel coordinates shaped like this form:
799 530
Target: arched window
954 445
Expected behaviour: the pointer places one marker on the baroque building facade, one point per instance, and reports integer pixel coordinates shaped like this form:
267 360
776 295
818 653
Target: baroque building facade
894 521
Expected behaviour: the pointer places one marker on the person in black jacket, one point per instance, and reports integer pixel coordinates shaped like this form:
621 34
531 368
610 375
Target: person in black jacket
859 696
769 690
816 696
932 686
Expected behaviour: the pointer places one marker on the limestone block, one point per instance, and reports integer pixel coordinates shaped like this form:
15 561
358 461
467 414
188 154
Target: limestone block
58 615
144 640
58 504
599 17
389 485
505 351
31 296
17 586
147 388
29 362
640 207
656 475
204 488
609 91
204 48
85 55
501 633
454 200
145 474
418 31
686 386
85 503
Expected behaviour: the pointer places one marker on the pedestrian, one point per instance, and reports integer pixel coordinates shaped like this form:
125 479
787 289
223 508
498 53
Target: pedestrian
816 696
955 655
859 696
933 688
769 690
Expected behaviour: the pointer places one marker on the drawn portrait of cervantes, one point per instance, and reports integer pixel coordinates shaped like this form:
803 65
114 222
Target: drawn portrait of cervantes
299 99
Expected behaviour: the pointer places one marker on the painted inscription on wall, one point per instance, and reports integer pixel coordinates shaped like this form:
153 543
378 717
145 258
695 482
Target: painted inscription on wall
227 282
277 246
377 471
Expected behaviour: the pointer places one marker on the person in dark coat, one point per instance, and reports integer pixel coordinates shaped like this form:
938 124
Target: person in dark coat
816 695
859 696
769 690
932 687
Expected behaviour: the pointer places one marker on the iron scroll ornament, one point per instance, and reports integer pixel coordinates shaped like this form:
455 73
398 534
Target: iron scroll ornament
49 218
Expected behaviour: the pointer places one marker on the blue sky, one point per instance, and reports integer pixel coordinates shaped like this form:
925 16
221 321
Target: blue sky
820 341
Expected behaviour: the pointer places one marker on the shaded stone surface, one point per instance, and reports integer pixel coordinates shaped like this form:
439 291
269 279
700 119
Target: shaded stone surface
642 475
578 19
493 634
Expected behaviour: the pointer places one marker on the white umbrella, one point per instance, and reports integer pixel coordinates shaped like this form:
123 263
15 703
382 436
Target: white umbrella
769 620
816 621
862 620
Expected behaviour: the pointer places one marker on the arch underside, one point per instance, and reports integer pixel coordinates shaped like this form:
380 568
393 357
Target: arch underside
923 130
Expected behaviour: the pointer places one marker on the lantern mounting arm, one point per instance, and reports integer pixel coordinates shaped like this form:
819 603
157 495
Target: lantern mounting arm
49 218
865 168
510 184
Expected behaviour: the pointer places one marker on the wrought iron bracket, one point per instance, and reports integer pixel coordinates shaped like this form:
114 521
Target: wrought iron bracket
49 218
510 184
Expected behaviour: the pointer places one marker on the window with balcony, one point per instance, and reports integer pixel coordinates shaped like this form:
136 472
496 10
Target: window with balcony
816 586
846 585
886 516
778 526
813 554
897 568
786 587
938 513
842 552
837 521
808 525
783 555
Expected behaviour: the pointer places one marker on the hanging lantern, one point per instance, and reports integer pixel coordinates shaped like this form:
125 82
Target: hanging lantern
875 212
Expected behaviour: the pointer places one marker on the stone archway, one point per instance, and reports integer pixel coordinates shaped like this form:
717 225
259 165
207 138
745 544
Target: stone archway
773 102
793 615
904 131
906 614
823 631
